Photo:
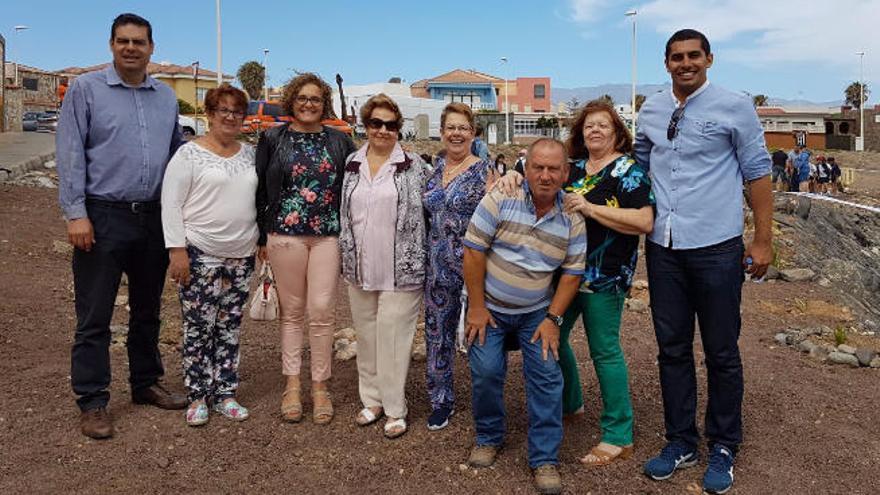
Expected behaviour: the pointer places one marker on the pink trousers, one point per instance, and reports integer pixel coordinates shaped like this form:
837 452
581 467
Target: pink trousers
306 273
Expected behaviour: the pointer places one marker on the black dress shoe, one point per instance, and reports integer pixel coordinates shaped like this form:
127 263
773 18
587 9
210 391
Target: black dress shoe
158 396
96 423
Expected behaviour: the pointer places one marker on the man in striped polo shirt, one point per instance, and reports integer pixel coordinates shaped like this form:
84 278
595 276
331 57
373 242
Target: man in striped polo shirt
513 248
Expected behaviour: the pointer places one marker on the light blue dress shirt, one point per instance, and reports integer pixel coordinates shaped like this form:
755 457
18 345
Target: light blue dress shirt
697 177
114 140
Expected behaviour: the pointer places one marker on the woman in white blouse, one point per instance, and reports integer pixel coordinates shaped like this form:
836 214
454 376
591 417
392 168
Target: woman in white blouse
210 224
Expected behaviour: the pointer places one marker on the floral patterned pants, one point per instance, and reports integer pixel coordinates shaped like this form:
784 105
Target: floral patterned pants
212 305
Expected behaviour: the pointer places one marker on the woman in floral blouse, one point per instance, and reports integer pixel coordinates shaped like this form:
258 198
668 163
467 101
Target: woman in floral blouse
300 168
613 194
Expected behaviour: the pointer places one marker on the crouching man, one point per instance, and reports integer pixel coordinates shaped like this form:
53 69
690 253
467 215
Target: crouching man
513 248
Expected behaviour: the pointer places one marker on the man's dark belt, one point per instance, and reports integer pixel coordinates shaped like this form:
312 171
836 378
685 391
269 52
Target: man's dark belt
132 206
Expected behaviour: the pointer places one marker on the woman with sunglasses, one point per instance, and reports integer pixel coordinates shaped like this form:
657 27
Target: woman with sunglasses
614 196
383 259
210 226
300 168
453 192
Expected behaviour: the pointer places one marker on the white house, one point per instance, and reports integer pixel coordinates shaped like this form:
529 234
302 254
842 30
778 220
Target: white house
421 115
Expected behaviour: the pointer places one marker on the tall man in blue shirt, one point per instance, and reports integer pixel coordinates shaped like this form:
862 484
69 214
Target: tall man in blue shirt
700 143
117 131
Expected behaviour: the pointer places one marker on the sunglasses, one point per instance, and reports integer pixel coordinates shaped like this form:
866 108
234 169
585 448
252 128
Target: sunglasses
672 129
390 125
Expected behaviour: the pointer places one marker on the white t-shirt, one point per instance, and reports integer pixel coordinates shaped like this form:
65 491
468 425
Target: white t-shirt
208 201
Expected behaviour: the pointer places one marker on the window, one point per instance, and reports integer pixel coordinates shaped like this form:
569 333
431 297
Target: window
539 91
200 94
30 83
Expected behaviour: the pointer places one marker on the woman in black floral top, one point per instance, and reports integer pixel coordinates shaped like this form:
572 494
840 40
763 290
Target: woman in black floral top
300 168
613 194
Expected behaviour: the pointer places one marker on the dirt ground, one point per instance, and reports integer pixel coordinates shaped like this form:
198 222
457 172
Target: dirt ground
809 427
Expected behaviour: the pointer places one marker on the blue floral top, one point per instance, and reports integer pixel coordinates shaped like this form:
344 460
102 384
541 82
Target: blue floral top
309 200
611 260
449 212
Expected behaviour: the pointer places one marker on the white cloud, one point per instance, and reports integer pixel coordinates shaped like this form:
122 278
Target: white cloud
763 33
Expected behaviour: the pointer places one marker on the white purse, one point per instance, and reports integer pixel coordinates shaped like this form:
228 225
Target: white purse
264 304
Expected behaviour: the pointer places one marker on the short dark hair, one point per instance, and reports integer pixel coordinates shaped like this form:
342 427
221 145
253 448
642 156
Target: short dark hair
688 34
214 95
129 18
577 148
296 84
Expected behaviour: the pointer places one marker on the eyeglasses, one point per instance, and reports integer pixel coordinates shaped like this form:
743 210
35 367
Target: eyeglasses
459 128
225 113
314 100
672 129
390 125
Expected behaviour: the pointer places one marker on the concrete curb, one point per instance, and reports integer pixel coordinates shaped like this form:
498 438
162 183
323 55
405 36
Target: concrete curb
18 169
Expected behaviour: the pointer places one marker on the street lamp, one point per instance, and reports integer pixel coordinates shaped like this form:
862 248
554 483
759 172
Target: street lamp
632 13
17 29
861 143
195 66
506 104
219 49
265 75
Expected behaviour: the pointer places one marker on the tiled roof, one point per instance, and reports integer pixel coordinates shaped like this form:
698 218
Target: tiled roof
153 69
462 76
770 111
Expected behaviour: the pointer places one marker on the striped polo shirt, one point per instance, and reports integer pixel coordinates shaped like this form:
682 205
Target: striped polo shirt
523 251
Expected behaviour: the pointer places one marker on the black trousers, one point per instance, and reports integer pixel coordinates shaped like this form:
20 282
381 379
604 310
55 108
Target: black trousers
127 241
706 283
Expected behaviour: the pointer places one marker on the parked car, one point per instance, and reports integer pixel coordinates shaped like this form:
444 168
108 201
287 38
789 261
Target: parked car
262 115
29 121
47 121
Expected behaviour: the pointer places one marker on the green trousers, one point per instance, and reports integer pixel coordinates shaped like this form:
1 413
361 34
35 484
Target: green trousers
601 314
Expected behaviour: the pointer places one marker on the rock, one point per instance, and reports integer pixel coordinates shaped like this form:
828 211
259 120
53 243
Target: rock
347 353
843 358
121 300
824 331
640 284
781 338
846 349
163 462
865 356
419 352
346 333
772 273
62 247
49 164
340 344
820 352
793 336
875 363
806 346
636 305
871 325
797 274
824 282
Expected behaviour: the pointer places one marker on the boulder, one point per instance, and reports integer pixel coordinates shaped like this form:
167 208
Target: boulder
347 352
846 349
843 358
781 338
865 356
346 333
820 352
806 346
797 274
772 273
637 305
875 363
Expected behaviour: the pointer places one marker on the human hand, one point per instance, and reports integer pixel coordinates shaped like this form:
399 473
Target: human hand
548 333
178 269
574 202
475 323
81 233
761 254
508 184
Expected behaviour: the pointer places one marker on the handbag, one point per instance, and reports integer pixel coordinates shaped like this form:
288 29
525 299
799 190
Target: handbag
264 304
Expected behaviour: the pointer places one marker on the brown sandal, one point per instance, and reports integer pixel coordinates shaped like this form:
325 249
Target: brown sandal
322 414
291 405
604 458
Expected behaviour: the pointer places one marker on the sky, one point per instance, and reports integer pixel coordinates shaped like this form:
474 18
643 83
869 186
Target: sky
791 49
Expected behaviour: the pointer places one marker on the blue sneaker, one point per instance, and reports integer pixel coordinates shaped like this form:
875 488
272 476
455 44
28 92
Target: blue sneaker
719 474
675 455
439 418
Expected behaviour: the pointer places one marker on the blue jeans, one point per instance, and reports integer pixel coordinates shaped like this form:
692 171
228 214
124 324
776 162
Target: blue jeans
706 283
543 381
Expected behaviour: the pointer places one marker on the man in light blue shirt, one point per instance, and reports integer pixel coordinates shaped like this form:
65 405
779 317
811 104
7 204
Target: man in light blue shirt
117 131
700 142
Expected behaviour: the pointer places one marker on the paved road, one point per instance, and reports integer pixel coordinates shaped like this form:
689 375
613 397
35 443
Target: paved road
24 151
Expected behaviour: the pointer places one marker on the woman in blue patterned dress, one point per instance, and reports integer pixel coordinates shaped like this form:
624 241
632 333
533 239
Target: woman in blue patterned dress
451 196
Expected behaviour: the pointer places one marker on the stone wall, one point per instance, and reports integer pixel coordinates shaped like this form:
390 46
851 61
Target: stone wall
12 109
44 97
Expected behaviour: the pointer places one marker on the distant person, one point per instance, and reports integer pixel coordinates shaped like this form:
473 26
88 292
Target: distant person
500 165
479 147
513 249
520 165
802 165
835 175
117 131
823 175
696 255
779 175
300 167
210 223
791 169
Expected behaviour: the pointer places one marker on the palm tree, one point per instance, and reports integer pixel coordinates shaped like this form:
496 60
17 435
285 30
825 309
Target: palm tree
252 76
607 98
759 100
853 94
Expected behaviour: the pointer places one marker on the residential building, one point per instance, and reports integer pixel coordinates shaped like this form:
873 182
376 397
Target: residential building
187 85
487 92
38 87
872 125
421 116
786 127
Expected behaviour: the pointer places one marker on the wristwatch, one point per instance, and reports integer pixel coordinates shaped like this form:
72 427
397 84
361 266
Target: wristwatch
554 318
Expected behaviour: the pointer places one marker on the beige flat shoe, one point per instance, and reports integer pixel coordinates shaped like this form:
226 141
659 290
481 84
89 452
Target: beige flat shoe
291 406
